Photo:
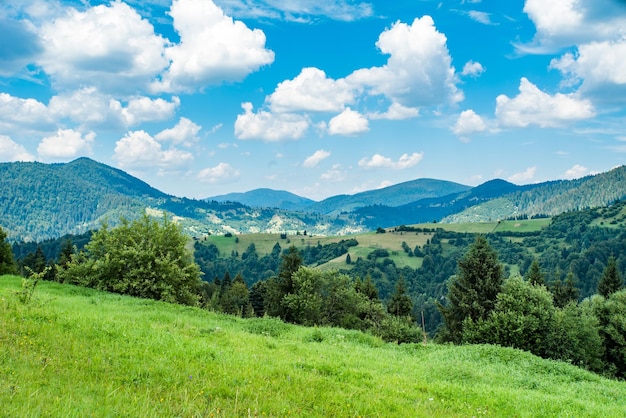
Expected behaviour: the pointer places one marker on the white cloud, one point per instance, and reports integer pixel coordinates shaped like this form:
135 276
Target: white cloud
472 69
221 173
185 132
419 69
480 17
66 144
335 175
311 90
16 112
563 23
348 122
523 177
576 172
300 11
122 51
213 48
144 109
396 112
597 65
11 151
468 123
379 161
140 150
313 160
534 107
268 126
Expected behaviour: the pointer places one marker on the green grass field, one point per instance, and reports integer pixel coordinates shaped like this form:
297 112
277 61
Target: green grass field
75 352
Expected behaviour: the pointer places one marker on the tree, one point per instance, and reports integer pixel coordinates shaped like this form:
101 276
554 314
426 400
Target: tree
400 303
565 293
144 258
279 286
472 293
535 275
7 262
611 280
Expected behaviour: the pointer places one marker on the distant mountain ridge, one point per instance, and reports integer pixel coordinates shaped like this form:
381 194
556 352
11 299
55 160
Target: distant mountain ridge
40 201
266 198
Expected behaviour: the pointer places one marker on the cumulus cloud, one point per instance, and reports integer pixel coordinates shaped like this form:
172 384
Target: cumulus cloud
311 90
185 132
379 161
66 144
396 112
577 171
598 66
468 123
213 48
317 157
145 109
122 50
16 112
348 122
268 126
139 150
11 151
523 177
221 173
419 69
472 69
534 107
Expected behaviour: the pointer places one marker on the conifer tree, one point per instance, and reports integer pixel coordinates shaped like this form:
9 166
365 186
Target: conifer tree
535 275
473 292
7 262
611 280
400 303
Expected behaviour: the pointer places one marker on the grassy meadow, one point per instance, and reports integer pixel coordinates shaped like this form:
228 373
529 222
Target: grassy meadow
76 352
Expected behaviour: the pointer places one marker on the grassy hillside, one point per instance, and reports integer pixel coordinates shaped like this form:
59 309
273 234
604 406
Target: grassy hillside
370 241
76 352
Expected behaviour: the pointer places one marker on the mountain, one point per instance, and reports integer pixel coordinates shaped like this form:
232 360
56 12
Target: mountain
396 195
41 201
549 198
266 198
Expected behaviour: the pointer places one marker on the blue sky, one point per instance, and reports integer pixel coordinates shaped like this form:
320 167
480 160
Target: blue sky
318 97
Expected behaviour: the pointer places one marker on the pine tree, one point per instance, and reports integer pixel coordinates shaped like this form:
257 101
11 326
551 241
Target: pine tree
400 303
611 280
7 262
535 275
473 292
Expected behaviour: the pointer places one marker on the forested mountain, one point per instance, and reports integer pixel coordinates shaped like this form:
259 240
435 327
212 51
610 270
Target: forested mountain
266 198
550 198
396 195
41 201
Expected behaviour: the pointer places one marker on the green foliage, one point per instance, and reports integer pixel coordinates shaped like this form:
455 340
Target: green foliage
535 275
7 263
611 313
611 280
142 258
400 303
25 294
472 294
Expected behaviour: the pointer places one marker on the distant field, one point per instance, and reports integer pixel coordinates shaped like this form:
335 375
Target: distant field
75 352
392 241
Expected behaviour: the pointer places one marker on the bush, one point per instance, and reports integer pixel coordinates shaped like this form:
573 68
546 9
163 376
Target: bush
143 258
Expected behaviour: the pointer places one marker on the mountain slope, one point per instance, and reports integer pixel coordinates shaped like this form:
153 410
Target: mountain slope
550 198
396 195
266 198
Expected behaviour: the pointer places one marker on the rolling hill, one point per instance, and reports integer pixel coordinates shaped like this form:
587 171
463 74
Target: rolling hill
266 198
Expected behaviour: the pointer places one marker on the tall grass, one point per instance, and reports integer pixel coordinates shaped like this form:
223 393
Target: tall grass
74 352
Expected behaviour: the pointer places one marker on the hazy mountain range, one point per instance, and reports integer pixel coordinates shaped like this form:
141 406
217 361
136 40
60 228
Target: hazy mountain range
39 201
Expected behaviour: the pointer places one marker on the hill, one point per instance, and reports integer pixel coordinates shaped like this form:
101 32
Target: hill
266 198
137 357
